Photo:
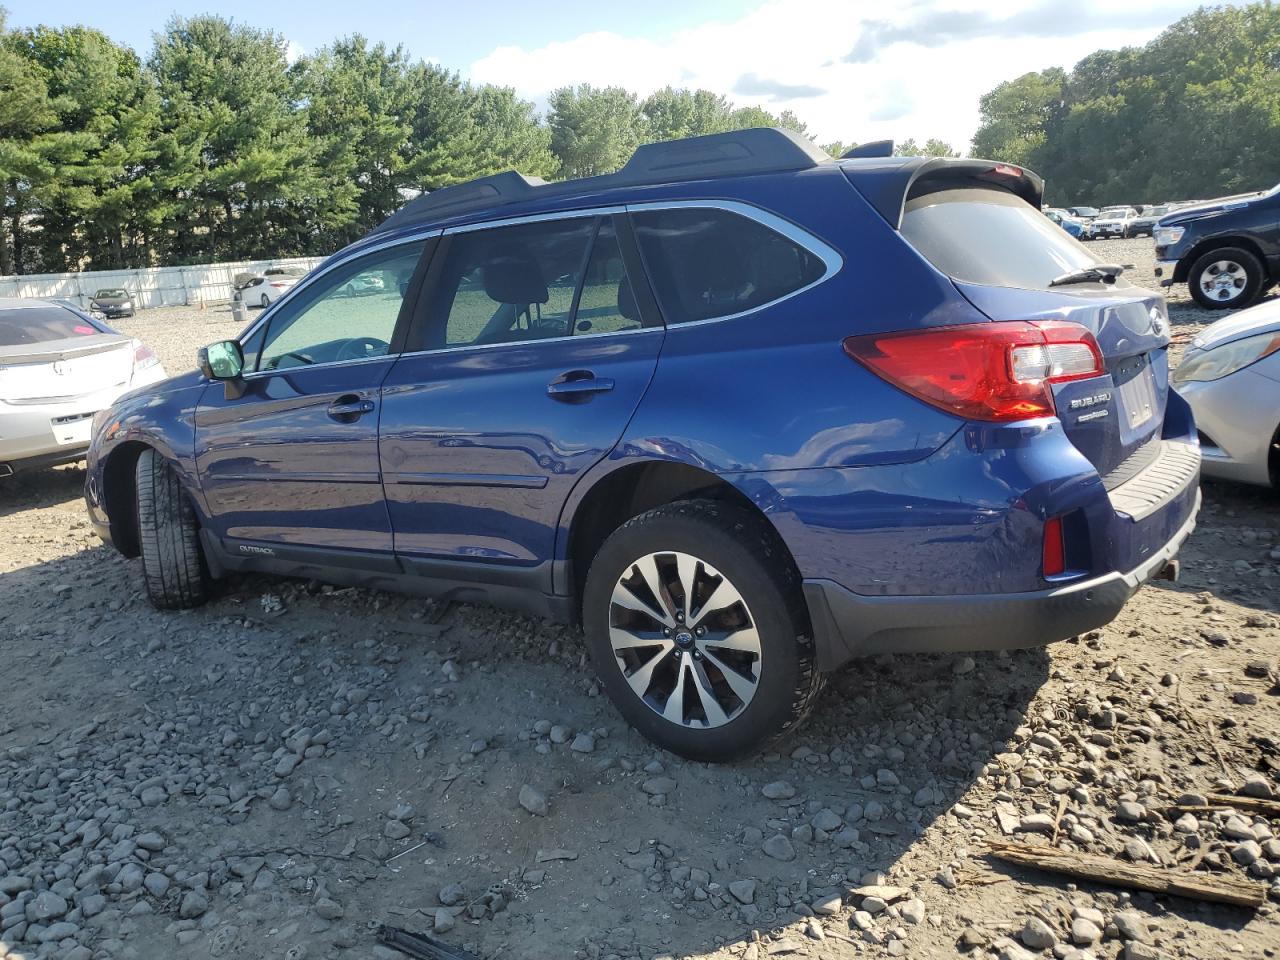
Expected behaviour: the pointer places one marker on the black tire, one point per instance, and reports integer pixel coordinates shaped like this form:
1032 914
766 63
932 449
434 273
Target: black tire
266 301
172 563
750 555
1249 283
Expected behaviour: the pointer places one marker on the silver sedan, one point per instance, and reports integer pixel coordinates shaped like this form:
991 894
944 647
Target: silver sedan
1231 377
58 367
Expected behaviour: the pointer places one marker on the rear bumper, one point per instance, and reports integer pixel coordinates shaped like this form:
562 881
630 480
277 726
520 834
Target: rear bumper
848 625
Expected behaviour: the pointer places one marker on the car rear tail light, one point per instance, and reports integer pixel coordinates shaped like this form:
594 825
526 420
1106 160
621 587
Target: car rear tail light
143 356
1054 559
281 286
999 371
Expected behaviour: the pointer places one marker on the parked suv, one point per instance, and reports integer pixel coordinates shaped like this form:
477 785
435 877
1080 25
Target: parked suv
744 411
1111 222
1226 251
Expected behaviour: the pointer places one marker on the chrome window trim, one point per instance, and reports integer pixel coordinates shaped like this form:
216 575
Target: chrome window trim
831 258
584 213
573 338
307 282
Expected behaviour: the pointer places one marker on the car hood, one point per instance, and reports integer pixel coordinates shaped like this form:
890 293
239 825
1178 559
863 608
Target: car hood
1210 208
192 378
1264 318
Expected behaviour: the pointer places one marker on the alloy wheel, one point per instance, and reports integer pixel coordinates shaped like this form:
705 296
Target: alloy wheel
684 639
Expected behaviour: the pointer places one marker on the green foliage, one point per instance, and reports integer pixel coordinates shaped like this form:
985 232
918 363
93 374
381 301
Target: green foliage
932 147
216 147
1195 113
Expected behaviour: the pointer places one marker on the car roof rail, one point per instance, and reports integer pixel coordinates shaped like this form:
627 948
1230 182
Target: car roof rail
872 148
756 150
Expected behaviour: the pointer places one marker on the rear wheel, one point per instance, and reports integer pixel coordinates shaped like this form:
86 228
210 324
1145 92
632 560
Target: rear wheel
1226 278
172 564
696 627
266 301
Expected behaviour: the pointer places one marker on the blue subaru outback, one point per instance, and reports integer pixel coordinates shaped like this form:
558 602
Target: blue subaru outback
743 411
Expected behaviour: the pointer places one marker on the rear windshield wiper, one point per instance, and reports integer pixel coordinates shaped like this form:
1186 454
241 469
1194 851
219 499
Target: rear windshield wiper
1106 272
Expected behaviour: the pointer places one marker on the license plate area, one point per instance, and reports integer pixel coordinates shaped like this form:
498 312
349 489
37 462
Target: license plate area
1136 389
72 429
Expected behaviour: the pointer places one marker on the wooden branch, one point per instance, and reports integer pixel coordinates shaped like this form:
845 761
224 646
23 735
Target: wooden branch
1226 801
1085 866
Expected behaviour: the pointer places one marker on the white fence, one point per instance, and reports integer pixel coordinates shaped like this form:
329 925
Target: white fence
150 287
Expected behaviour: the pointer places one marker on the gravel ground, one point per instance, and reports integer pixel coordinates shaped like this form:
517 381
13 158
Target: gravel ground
274 774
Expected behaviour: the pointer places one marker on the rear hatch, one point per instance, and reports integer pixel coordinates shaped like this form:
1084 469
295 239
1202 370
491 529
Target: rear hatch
1004 257
49 354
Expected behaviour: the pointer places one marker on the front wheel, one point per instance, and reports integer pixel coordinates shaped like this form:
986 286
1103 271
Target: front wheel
1226 278
266 301
697 628
172 564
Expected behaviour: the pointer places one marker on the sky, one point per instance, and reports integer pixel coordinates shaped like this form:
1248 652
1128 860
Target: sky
853 70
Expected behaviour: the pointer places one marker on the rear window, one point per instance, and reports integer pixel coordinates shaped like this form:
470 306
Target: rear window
40 325
707 263
991 237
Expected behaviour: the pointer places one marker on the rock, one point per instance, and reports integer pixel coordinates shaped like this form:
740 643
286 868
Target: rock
778 790
328 909
157 884
826 820
813 930
583 743
658 786
828 906
402 811
645 860
1130 811
452 895
1134 950
1036 823
886 778
282 799
970 938
559 734
194 904
963 665
1084 932
779 847
14 883
744 891
59 931
153 796
1037 934
47 905
396 830
1132 926
443 921
913 911
1247 852
1008 949
534 800
287 764
1256 785
874 905
151 841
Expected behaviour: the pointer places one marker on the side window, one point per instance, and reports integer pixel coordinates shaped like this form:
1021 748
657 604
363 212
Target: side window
509 284
607 303
707 263
348 313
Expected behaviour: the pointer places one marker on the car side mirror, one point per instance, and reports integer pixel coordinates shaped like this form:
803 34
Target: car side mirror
223 361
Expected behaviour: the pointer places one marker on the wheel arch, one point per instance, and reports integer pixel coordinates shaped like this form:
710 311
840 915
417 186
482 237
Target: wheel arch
629 490
120 492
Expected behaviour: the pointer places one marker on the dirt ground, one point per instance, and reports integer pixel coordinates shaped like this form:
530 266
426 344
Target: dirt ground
279 772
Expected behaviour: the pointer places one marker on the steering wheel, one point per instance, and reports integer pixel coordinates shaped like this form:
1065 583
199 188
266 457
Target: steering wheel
358 348
274 363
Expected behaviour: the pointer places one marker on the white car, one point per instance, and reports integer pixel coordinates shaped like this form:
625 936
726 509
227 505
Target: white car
58 367
266 290
1112 222
1230 376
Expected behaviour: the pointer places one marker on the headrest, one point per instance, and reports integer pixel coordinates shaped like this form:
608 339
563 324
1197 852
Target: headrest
512 276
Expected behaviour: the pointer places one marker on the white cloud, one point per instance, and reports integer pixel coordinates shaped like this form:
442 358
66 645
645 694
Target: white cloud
292 51
852 70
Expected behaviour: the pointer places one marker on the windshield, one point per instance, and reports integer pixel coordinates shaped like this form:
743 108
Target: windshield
40 325
110 294
991 237
1115 211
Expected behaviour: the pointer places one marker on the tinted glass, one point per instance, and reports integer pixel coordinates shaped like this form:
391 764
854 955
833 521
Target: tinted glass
708 263
40 325
111 294
510 284
991 237
606 304
347 314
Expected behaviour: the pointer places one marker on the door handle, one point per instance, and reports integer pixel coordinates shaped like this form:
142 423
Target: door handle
349 408
577 385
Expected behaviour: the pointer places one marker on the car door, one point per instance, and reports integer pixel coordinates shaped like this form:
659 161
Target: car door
288 456
530 354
